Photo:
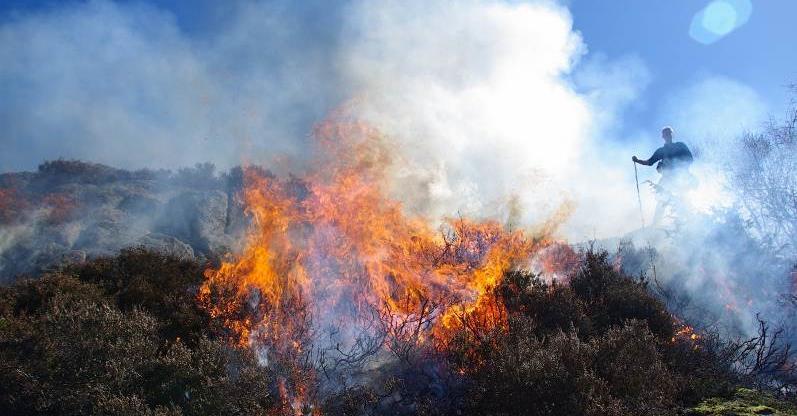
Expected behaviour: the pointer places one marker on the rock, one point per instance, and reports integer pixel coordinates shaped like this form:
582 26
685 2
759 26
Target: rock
168 245
102 237
197 217
74 257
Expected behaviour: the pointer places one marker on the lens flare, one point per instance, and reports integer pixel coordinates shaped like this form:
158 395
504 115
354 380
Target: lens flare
718 19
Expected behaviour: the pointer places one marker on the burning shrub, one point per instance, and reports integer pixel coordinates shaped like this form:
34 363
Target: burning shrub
703 366
600 344
579 348
136 334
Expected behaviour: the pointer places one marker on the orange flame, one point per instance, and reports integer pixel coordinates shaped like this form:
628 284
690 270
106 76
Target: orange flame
687 334
333 246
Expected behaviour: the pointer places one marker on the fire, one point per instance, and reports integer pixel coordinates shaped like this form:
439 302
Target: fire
688 334
332 250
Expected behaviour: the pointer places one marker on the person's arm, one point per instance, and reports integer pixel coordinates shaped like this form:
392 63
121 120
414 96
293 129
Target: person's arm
653 159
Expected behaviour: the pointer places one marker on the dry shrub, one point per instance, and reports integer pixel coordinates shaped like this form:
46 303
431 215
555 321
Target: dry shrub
61 207
107 338
125 335
13 205
159 284
599 344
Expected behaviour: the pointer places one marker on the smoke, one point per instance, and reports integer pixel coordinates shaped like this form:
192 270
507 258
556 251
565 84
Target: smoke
718 270
493 108
712 114
121 84
475 96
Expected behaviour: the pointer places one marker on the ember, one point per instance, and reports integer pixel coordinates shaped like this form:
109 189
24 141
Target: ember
686 333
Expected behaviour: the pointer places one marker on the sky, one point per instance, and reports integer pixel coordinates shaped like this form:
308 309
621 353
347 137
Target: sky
757 54
484 101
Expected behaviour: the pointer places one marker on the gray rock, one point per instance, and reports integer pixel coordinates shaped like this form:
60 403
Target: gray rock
197 217
168 245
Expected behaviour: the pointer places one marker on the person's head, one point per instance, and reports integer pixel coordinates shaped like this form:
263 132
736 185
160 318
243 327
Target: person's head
666 134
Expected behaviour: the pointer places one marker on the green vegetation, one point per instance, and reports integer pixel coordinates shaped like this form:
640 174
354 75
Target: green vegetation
744 402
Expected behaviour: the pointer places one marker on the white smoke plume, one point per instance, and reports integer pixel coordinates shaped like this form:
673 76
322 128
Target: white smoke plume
480 100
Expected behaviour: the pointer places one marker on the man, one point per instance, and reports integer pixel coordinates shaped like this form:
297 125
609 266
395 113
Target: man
673 165
672 157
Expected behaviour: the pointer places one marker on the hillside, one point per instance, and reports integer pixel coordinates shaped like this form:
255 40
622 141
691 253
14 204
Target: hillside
73 211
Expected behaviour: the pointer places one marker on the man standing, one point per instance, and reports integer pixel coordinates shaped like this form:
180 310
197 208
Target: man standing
673 165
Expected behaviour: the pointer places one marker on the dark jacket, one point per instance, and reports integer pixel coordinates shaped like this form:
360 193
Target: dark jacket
671 156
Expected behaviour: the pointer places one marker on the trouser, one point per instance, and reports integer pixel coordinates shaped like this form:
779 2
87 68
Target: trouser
670 191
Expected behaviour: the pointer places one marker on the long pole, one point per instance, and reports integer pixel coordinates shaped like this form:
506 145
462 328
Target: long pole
638 197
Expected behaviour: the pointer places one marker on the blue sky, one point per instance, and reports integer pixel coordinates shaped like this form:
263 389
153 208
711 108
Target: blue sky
760 53
757 59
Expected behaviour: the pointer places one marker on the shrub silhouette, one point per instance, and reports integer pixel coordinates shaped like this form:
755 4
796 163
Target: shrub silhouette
121 336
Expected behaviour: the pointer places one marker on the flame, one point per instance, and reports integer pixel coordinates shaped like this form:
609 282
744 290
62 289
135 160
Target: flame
686 333
331 246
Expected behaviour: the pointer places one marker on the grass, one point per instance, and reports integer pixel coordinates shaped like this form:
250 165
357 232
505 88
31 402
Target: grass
745 402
